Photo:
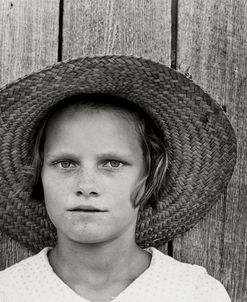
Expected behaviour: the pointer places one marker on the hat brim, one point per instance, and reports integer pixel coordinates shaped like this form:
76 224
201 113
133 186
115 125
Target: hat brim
201 142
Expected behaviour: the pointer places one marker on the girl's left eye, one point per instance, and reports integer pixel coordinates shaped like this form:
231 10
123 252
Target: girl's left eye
113 164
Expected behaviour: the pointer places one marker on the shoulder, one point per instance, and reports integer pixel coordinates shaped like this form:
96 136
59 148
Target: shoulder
168 266
25 266
3 297
188 280
211 289
20 276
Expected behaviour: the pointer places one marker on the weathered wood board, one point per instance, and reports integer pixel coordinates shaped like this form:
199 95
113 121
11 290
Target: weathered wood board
212 49
136 27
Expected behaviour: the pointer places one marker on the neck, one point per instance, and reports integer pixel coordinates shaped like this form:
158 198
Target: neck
100 262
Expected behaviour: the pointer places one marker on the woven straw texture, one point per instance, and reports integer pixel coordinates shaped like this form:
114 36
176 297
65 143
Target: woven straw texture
201 142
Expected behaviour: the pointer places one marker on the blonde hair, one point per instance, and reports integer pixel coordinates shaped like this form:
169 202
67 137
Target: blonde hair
151 186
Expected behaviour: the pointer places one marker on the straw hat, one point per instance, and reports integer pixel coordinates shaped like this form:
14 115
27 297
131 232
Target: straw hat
201 142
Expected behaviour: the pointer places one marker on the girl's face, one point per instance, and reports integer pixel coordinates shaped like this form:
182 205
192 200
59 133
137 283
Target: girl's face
93 161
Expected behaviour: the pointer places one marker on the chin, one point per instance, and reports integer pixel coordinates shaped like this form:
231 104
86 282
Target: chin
86 237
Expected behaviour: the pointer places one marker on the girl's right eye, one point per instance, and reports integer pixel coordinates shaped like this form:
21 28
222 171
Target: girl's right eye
65 164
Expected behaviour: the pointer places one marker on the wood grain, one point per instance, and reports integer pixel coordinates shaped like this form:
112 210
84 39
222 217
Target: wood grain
28 42
212 49
135 27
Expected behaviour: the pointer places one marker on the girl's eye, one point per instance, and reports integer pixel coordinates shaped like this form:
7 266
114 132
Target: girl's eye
113 164
65 164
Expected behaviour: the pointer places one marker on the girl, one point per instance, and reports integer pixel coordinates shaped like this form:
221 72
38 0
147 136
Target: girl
123 154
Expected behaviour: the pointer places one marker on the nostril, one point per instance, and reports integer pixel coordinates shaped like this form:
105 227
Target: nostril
78 193
81 193
94 193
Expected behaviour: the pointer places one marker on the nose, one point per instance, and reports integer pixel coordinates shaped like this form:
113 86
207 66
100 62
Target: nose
87 185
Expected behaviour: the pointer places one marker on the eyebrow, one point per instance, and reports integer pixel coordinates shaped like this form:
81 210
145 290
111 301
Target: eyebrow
114 155
111 155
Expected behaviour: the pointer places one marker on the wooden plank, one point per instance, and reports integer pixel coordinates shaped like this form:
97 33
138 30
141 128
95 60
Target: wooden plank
212 48
28 36
140 28
28 41
11 251
136 27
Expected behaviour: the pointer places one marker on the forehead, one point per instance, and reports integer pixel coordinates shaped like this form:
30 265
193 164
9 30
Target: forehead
98 128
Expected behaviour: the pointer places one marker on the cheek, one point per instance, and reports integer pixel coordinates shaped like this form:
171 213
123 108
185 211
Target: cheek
55 190
55 196
127 183
121 190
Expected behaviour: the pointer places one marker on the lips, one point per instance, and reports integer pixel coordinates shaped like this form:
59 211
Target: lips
89 209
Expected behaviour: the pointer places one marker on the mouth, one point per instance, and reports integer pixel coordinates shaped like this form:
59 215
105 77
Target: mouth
86 210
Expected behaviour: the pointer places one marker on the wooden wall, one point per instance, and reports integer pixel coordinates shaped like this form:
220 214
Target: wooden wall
207 40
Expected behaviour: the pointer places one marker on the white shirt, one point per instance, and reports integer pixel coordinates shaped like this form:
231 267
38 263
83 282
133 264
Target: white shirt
165 280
